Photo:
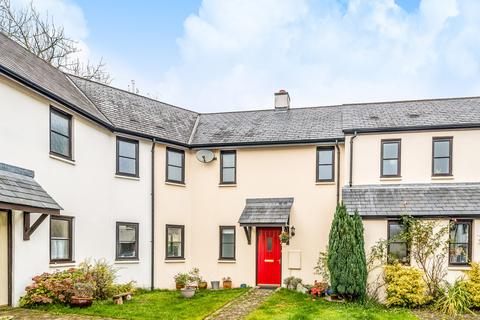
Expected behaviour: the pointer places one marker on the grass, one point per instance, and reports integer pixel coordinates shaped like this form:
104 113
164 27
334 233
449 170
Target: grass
290 305
158 304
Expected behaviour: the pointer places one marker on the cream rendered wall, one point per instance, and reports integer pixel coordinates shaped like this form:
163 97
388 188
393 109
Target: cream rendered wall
87 189
416 153
202 205
3 259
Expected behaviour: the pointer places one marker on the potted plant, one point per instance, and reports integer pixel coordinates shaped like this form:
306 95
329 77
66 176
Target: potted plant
284 237
227 283
188 292
82 295
181 280
197 278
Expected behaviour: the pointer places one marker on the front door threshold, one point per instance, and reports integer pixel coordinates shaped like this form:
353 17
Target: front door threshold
268 286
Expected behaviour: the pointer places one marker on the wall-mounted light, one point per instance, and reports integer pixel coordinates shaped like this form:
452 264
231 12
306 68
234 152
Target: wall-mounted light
292 231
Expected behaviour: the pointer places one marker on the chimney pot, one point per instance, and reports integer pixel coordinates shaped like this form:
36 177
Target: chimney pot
282 100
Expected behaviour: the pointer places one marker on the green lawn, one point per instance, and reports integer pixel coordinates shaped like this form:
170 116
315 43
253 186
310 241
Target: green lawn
290 305
159 304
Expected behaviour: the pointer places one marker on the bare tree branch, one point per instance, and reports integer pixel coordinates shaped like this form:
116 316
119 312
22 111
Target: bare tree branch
48 41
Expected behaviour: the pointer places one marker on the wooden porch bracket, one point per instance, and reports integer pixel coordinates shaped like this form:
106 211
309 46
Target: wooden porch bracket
28 229
248 233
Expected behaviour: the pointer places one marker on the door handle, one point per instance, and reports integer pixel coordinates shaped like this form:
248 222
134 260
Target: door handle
268 260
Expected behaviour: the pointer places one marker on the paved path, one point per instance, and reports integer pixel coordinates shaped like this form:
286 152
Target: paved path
242 306
26 314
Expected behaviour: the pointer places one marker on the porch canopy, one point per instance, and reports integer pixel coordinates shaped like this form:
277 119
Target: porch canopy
20 191
417 200
265 212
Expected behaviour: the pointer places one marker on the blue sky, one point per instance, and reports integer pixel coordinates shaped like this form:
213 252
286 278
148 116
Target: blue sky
213 55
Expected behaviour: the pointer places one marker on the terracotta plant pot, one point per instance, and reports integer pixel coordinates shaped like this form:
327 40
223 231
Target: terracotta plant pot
202 285
179 286
227 284
188 292
80 302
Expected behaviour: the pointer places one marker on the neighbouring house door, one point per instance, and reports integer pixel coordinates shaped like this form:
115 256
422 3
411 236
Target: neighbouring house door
3 259
269 256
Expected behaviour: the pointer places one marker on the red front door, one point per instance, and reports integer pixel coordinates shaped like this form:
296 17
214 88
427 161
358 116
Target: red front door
269 256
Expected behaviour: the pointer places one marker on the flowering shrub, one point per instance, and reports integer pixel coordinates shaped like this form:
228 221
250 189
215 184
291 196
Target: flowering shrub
57 287
103 274
405 286
472 284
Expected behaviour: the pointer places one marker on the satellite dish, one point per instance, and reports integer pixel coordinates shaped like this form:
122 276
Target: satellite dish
205 156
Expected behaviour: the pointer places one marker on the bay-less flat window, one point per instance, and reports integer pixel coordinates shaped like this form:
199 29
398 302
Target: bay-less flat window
397 247
60 133
442 156
228 167
127 157
391 159
227 243
127 241
61 230
325 164
175 165
460 251
175 241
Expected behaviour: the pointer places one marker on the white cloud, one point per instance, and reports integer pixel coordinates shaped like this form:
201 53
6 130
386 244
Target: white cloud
235 54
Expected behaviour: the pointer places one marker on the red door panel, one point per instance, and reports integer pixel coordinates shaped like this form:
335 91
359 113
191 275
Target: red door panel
269 256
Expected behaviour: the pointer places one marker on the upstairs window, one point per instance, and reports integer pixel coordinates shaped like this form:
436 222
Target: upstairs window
127 241
175 165
442 156
397 247
227 243
390 166
61 230
175 242
127 157
228 165
325 164
60 133
460 251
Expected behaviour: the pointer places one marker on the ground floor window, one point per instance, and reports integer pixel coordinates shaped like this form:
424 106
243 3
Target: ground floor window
127 241
175 241
227 243
397 247
460 242
61 234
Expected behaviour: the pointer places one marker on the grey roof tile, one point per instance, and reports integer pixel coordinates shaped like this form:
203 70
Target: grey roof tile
17 186
26 65
442 199
266 211
136 113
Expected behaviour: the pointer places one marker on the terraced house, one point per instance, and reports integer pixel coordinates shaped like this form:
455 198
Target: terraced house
91 171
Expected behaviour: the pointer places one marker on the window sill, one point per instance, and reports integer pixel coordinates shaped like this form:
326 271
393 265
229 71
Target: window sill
175 184
127 177
62 264
325 183
127 262
174 260
72 162
459 268
443 177
223 185
226 261
390 178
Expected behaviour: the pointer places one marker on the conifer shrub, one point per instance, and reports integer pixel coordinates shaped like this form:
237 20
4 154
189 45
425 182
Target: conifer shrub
405 286
346 255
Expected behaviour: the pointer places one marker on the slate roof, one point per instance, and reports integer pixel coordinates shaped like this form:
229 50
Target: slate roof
136 113
269 126
453 112
14 58
18 187
446 199
266 211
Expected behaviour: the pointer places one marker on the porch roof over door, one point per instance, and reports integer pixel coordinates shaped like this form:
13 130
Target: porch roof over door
20 191
266 212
